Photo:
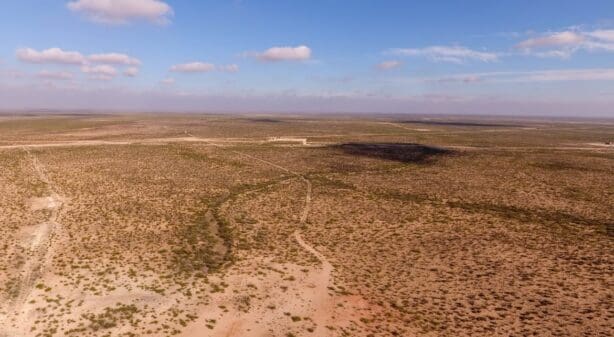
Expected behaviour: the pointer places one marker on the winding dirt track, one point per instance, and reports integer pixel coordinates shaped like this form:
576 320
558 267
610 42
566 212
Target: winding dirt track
306 207
325 313
40 243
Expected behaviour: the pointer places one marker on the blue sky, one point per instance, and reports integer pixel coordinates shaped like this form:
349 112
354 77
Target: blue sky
506 57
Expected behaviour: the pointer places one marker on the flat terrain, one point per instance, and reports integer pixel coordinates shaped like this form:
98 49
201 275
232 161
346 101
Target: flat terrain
231 225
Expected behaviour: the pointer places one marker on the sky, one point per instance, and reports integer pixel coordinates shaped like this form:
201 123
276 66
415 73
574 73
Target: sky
538 57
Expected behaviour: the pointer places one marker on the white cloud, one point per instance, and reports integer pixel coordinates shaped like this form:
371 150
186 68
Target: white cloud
605 35
300 53
566 43
388 65
114 58
123 11
559 75
51 55
569 75
596 46
131 72
55 75
193 67
561 54
100 72
59 56
566 38
203 67
453 54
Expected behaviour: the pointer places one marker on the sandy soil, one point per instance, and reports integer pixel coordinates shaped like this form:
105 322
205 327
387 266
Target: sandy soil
350 245
38 240
611 145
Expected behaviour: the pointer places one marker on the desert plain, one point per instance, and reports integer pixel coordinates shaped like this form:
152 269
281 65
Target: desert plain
305 225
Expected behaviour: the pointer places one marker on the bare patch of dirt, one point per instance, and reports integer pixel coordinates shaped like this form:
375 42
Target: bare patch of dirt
46 203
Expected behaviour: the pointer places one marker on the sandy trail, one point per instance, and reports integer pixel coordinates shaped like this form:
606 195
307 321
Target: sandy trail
405 127
65 144
324 302
144 141
14 323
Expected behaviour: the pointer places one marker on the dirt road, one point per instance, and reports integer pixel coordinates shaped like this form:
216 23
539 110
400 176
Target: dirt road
39 241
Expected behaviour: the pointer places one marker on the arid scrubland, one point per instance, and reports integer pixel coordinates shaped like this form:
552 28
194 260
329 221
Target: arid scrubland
208 225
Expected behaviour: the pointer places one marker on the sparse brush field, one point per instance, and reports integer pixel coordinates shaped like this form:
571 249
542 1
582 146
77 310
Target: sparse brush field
207 225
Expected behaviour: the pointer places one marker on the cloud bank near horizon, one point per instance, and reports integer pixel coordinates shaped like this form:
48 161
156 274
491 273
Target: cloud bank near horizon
49 97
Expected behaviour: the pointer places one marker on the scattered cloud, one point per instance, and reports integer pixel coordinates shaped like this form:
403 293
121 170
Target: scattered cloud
388 65
556 39
561 54
123 11
604 35
566 43
559 75
203 67
453 54
164 99
100 72
131 72
114 58
276 54
55 75
193 67
569 75
87 63
469 78
57 55
51 55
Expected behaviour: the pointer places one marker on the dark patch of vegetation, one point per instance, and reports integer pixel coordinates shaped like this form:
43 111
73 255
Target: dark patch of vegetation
112 317
224 231
401 152
458 123
197 250
264 120
12 287
539 215
200 241
526 215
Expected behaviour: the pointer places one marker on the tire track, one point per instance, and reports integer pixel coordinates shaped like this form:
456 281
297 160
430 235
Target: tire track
38 251
325 315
